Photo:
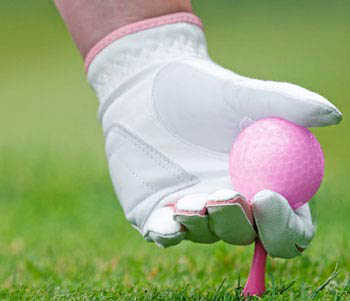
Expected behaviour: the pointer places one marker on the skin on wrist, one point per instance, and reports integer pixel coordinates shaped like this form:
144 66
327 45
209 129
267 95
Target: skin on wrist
89 20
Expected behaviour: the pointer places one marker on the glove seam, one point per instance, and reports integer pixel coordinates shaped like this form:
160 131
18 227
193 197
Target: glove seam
181 178
118 91
147 150
133 173
161 121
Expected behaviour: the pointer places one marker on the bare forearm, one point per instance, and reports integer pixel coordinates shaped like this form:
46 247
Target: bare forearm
91 20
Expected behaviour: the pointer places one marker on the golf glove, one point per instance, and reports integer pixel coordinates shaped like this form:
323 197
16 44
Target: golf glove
170 116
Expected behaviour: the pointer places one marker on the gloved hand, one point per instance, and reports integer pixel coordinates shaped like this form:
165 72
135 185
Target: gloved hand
170 116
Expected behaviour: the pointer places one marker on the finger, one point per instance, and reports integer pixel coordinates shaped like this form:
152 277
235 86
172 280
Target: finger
283 232
191 212
230 217
162 229
257 99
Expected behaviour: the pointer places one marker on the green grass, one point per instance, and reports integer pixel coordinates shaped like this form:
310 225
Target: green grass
62 233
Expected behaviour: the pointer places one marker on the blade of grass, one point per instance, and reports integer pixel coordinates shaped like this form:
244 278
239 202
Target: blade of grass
323 285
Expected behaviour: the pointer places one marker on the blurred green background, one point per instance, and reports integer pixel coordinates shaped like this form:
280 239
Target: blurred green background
62 232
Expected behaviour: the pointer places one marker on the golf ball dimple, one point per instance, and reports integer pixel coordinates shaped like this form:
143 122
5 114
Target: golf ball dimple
278 155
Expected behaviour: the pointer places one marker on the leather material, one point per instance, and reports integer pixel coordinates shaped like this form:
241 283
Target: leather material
170 116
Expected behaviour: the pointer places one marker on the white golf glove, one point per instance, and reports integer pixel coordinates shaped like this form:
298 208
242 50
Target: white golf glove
170 116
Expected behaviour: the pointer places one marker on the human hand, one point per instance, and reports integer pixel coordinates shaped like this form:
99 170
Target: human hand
170 116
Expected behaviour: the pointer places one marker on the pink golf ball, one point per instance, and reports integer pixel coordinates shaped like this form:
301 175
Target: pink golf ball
278 155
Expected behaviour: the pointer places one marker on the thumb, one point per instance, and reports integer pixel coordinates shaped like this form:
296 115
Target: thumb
257 99
283 232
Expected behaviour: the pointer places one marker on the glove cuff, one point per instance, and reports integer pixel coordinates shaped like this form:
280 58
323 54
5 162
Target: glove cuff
136 27
133 48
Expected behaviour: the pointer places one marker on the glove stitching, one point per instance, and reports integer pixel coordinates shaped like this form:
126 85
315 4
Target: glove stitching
225 101
112 96
152 153
164 124
163 165
120 89
159 163
118 67
133 173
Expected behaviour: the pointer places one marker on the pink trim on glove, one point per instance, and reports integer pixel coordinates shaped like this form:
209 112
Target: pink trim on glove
138 26
241 201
